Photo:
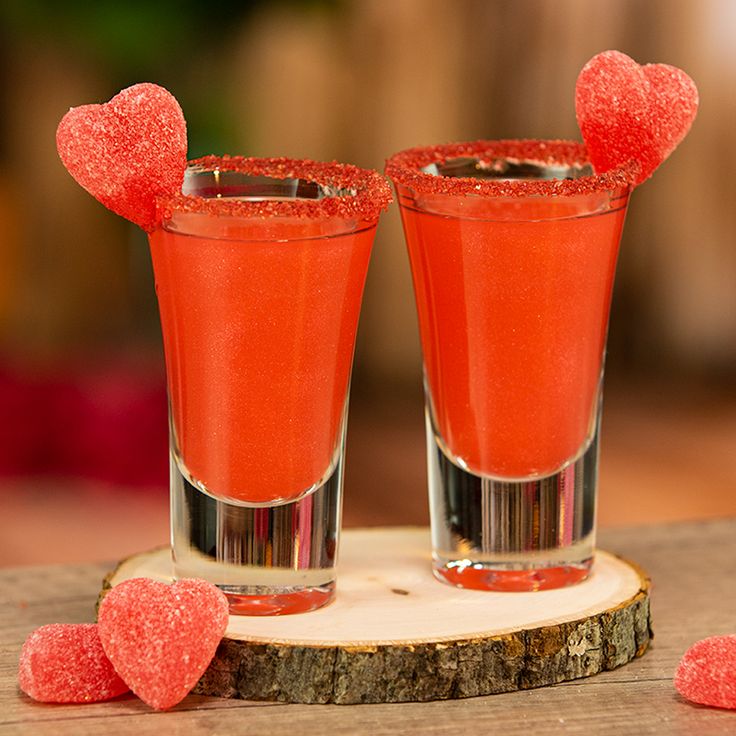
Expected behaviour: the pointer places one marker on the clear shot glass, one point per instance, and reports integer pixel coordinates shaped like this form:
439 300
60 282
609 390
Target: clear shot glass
259 267
513 248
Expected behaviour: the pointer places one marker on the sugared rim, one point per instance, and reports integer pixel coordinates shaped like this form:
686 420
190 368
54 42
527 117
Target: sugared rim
372 193
406 167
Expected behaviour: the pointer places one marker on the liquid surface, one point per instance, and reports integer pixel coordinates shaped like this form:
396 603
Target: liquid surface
259 340
513 312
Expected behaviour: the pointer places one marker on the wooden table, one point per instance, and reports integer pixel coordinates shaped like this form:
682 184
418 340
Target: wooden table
694 596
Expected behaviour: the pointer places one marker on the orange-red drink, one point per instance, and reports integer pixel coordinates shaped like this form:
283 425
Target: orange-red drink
259 328
513 249
259 273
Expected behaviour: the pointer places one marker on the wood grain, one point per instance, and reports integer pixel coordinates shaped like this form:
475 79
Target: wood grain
395 634
693 596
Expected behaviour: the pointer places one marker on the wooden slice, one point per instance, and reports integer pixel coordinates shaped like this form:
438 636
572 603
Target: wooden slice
395 634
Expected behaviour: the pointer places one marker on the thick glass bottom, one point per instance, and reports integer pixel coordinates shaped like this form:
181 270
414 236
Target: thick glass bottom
512 535
268 560
479 577
275 602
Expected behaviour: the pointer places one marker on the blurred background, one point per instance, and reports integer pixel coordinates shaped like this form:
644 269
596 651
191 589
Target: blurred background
83 437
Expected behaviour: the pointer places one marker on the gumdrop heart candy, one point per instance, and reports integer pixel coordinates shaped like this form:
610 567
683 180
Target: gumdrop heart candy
707 672
128 151
65 663
161 638
626 111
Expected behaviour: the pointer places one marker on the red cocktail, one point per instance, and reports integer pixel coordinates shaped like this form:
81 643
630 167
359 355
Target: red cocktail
259 268
513 248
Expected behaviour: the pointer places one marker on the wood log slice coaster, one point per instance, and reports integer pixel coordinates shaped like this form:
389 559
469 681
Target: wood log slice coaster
395 634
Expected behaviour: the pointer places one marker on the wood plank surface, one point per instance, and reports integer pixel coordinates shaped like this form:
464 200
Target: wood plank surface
693 596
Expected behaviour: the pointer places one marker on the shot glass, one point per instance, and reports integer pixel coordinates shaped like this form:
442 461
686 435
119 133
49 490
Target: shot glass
513 248
259 267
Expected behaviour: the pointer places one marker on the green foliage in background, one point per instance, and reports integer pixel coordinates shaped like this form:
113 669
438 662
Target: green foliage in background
125 35
180 44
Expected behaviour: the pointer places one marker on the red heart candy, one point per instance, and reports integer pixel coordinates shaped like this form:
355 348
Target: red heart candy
626 111
65 663
128 151
160 638
707 672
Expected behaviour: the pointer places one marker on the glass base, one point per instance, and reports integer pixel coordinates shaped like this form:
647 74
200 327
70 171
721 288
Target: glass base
512 535
268 560
481 577
278 602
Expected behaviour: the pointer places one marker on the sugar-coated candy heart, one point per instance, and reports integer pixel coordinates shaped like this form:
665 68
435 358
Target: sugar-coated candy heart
127 151
160 638
65 663
626 111
707 672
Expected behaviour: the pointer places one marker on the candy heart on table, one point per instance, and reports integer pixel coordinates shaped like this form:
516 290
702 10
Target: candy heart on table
160 638
626 111
65 663
127 151
707 672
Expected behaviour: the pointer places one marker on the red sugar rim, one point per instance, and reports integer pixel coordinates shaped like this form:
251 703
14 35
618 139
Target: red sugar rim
370 193
406 167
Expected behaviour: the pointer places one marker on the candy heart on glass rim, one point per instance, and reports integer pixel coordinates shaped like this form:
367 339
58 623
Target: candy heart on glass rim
626 111
161 638
127 151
